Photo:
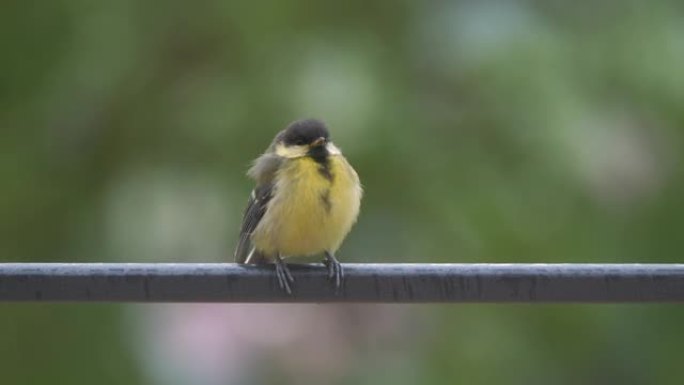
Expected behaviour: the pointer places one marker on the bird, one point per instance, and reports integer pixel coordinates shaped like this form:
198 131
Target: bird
306 199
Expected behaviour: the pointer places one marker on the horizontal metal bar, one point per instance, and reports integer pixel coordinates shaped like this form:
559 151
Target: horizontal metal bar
397 283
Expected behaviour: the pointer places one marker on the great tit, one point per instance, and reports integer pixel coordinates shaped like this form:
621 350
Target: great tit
306 200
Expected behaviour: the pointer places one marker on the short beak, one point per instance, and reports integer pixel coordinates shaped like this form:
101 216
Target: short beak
318 142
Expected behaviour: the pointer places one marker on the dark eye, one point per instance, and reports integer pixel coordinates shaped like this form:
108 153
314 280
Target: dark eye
300 142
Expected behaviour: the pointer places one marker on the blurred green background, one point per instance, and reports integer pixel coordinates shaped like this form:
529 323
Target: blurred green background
503 131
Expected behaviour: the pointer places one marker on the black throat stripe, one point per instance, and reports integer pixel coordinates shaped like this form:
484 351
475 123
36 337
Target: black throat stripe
320 156
324 170
325 199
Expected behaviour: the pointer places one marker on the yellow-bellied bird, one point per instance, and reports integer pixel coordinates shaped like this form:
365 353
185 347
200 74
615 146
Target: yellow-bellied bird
306 199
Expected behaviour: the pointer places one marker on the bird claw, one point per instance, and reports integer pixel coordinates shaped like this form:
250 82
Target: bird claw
284 275
335 270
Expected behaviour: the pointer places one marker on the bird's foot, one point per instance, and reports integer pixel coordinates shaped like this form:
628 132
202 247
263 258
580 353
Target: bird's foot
284 275
335 271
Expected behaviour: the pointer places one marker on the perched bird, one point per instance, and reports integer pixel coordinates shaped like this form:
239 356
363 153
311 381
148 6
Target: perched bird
306 199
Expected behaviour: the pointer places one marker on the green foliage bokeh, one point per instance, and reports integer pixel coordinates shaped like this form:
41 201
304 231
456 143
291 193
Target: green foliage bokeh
483 132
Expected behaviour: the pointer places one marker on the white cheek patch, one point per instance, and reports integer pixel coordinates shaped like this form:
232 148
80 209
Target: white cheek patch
290 151
332 149
300 151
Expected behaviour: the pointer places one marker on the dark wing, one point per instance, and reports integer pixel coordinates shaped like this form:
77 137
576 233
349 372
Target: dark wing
256 208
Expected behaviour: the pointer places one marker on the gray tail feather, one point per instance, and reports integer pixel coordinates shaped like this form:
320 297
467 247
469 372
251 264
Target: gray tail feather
242 250
255 257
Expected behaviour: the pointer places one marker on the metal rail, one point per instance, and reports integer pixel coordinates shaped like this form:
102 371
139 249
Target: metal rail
389 283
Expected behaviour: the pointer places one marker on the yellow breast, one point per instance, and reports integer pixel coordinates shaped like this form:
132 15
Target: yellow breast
312 209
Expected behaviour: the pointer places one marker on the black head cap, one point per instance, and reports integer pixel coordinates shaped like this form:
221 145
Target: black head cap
304 132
